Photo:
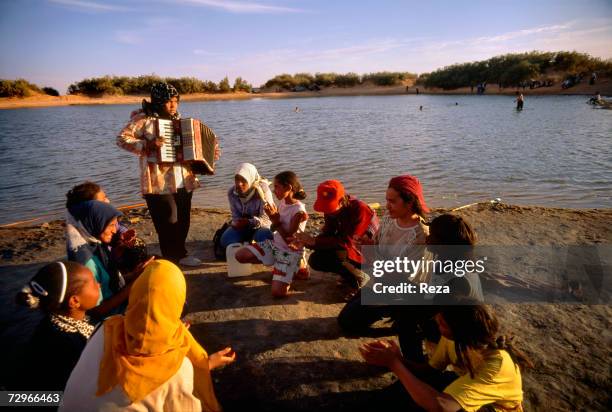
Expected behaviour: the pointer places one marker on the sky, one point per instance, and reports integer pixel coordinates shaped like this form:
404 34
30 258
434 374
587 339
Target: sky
59 42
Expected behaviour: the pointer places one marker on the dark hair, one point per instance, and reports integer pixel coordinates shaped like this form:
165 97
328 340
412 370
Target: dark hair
449 229
45 288
451 238
289 178
410 198
475 326
82 193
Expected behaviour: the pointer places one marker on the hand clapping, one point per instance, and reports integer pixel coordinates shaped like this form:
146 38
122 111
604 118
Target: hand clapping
381 353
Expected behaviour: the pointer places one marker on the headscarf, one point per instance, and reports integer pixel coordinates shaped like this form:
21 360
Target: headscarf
144 348
407 184
84 224
250 174
160 93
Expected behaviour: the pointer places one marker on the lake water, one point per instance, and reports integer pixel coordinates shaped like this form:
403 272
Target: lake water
556 152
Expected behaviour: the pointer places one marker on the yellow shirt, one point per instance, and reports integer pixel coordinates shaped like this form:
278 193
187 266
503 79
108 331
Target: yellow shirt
496 381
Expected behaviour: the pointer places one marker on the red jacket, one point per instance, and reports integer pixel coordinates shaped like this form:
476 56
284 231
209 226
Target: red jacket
354 220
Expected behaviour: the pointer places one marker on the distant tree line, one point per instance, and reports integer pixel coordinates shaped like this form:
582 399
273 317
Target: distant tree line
310 81
512 70
23 88
509 70
118 85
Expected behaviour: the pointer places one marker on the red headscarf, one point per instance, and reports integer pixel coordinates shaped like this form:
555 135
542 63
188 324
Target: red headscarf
407 184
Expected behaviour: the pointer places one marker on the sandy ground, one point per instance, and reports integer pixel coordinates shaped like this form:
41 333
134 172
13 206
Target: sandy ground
291 353
604 86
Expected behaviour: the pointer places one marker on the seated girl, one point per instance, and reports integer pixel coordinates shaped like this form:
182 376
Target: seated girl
452 238
92 191
289 219
90 227
402 234
247 199
64 291
487 367
146 359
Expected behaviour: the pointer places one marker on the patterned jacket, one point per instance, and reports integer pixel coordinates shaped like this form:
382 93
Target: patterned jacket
154 178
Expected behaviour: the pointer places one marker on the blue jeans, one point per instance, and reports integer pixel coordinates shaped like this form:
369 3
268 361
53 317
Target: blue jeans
232 235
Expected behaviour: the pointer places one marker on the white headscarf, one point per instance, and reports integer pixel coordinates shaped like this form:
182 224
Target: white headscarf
250 174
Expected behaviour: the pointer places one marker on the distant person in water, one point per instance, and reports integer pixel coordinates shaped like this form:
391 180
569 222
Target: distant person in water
297 109
421 108
595 99
520 100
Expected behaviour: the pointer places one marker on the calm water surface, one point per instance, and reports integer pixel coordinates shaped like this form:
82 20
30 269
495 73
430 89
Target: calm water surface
556 152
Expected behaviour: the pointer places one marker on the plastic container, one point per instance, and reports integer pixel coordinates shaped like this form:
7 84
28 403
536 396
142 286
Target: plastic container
235 268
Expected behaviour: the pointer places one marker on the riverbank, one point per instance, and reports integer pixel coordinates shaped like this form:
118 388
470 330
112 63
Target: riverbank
291 353
43 100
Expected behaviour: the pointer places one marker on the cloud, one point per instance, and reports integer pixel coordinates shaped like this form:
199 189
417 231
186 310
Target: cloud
584 36
419 54
522 33
149 28
82 5
129 37
241 7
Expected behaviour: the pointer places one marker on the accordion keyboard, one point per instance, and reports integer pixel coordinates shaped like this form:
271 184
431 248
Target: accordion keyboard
166 132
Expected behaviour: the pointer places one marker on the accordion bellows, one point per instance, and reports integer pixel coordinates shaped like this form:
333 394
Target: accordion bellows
186 141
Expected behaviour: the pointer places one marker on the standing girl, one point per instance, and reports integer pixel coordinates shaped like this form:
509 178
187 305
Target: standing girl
288 219
166 187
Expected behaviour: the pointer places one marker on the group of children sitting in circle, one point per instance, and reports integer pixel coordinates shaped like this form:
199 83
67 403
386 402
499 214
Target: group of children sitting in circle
141 355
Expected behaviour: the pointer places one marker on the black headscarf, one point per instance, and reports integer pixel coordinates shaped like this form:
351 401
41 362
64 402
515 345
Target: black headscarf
160 94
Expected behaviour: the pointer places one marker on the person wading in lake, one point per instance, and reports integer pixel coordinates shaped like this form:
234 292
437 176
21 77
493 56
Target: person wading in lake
168 187
520 100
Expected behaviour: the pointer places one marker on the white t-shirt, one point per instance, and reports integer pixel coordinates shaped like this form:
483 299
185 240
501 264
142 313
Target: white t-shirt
286 212
394 241
80 393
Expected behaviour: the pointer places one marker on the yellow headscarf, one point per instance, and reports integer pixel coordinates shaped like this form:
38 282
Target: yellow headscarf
144 348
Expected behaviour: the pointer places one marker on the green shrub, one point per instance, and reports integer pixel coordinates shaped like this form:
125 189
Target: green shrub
511 69
17 88
347 80
388 78
115 85
242 86
224 85
325 79
50 91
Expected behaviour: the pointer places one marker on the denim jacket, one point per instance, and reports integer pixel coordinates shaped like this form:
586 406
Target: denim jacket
252 210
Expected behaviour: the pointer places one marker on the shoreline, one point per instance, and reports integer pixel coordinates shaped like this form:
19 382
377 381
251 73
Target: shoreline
583 89
56 217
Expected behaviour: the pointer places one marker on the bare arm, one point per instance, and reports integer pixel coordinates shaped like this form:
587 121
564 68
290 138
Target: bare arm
423 394
296 220
387 353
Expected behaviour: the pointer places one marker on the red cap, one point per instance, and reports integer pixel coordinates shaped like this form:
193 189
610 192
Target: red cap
410 185
329 195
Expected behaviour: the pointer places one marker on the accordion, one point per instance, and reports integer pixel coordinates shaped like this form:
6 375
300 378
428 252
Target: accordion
186 141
